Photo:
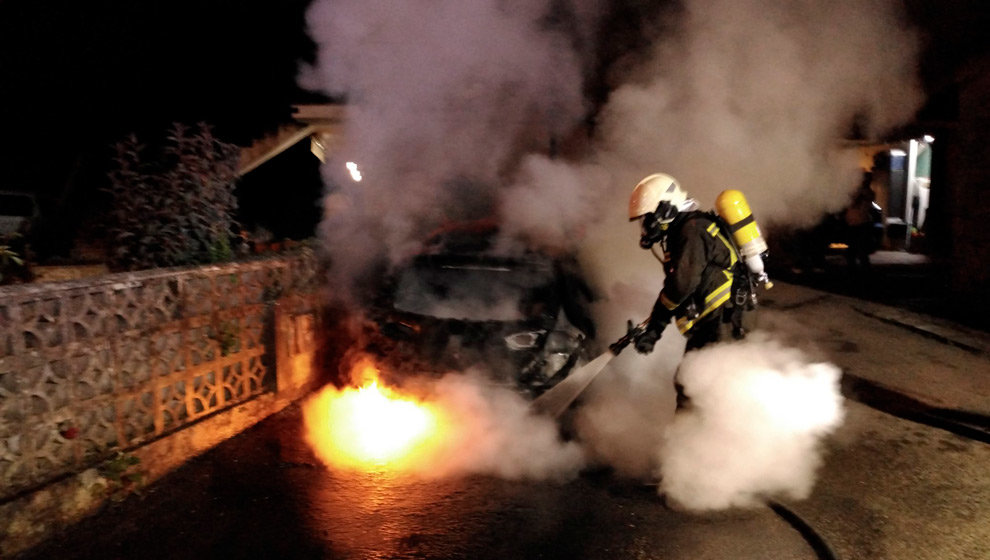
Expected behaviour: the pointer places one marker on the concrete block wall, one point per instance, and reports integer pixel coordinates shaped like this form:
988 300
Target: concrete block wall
74 490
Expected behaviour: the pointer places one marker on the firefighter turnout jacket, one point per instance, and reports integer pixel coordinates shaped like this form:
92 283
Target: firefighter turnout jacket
699 263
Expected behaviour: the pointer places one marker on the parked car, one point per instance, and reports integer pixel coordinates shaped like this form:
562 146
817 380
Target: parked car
18 212
838 235
456 305
810 247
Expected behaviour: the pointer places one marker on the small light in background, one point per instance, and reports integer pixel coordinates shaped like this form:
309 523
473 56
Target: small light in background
353 168
928 138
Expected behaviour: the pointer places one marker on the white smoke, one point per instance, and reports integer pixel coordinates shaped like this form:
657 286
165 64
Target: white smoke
443 99
573 191
623 416
755 95
495 432
749 95
757 414
752 95
450 106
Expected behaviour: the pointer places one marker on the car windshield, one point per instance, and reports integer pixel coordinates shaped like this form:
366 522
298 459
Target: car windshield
473 291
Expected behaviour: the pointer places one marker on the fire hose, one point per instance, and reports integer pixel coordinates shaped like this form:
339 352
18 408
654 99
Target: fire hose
560 397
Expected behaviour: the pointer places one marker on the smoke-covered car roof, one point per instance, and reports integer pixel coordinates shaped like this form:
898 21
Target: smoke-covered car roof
476 288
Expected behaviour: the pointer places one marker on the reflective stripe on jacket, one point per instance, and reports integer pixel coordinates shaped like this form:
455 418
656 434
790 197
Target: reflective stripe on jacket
698 267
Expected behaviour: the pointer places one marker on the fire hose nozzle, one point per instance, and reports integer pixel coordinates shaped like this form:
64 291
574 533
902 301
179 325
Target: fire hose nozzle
631 333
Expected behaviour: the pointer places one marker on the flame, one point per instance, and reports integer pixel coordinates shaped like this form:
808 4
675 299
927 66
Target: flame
372 426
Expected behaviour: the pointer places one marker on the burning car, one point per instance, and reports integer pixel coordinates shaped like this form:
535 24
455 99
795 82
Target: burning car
522 318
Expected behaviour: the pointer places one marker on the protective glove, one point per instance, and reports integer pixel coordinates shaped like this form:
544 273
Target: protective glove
646 340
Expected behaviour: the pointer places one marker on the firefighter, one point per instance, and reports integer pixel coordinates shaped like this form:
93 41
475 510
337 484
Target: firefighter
706 289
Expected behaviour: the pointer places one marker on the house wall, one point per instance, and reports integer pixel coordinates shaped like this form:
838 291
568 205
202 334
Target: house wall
968 176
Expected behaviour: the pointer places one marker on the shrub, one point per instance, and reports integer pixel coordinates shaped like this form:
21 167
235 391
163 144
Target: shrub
173 206
13 266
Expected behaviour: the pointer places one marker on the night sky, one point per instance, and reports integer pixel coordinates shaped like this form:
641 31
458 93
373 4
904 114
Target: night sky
78 76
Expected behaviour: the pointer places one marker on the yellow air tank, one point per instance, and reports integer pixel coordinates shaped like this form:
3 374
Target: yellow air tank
732 207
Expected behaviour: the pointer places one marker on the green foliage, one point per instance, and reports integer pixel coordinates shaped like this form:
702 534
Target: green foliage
228 336
173 206
220 250
12 265
122 474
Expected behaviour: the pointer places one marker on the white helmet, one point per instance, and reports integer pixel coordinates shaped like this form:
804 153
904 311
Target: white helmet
653 190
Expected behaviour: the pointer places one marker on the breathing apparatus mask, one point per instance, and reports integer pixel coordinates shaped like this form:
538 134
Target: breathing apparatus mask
654 225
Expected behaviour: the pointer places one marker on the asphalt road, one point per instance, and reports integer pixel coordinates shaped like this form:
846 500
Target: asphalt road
892 485
263 495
